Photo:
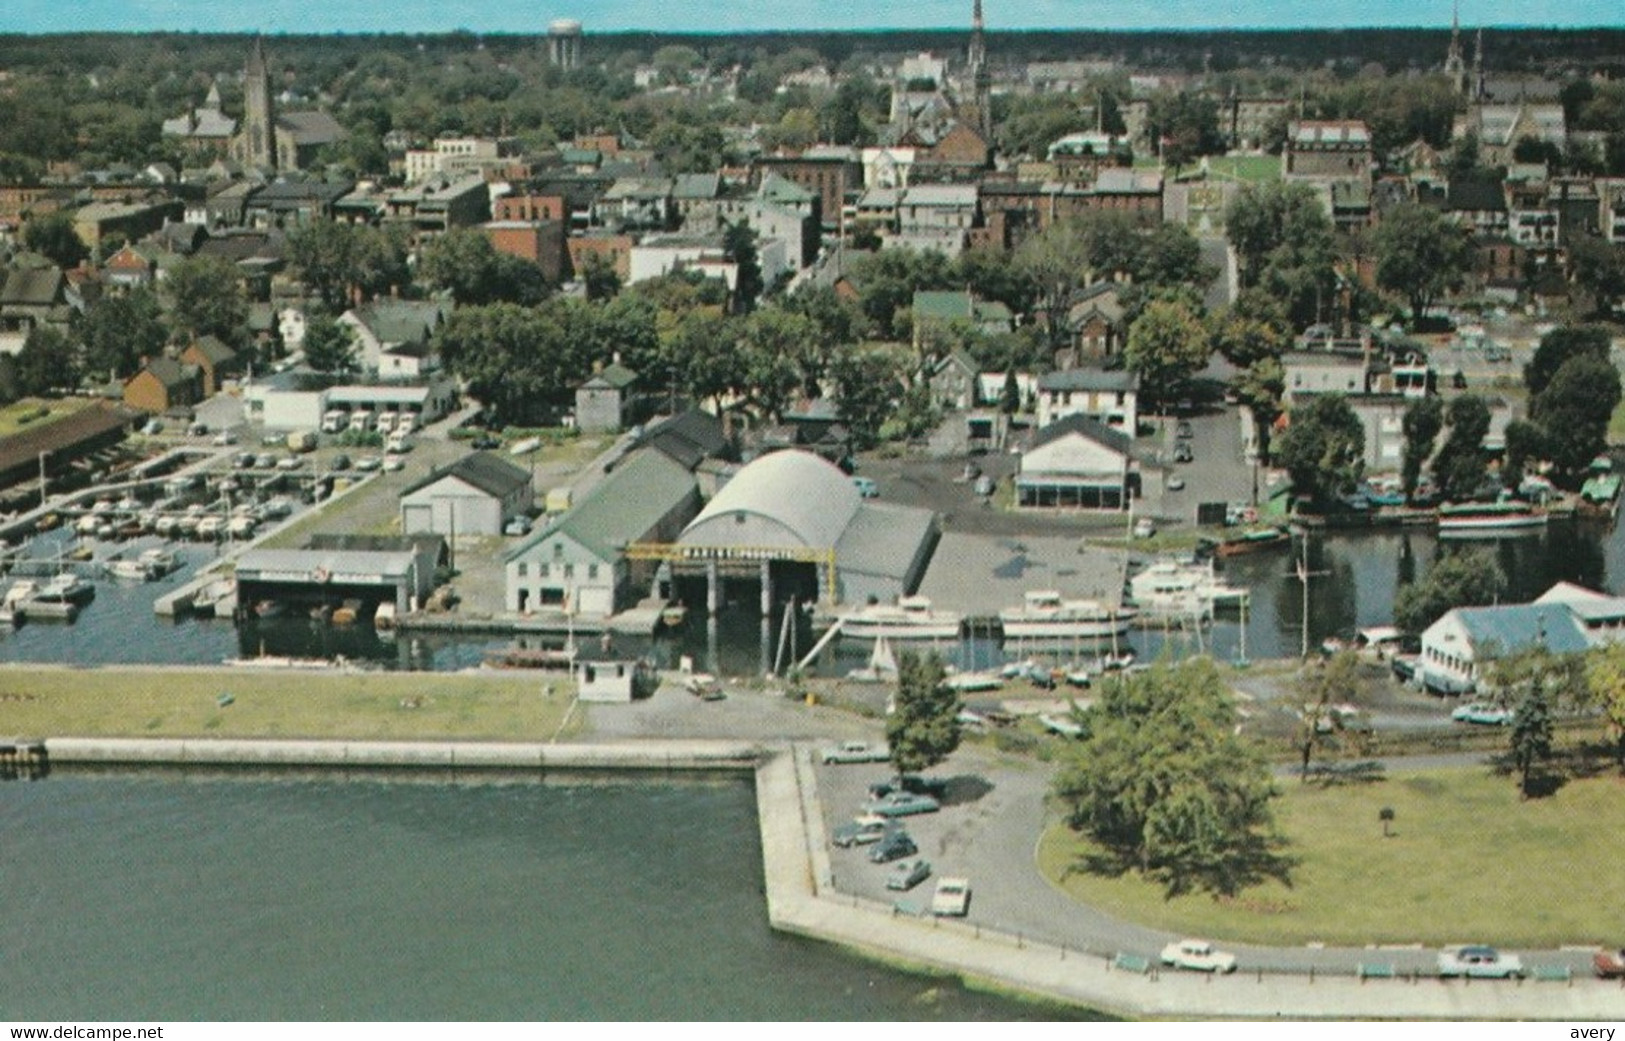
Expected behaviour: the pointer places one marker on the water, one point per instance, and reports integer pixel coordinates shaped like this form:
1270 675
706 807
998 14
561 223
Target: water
177 896
1355 577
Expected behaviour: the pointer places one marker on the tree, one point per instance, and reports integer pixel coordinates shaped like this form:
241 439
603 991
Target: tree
1573 412
330 345
1599 269
46 362
53 237
599 277
1323 449
463 262
1421 425
1010 394
867 386
1470 578
324 254
1531 736
1323 687
1166 345
923 728
1186 125
119 331
1605 688
1525 441
1559 346
1163 784
1421 255
739 246
1462 464
206 298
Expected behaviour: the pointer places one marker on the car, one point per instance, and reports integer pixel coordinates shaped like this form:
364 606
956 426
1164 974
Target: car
952 898
1183 430
264 461
1183 453
1144 528
906 874
153 426
856 752
198 430
224 438
486 441
935 787
1609 964
1176 484
517 526
1479 962
1483 713
893 845
1198 956
866 487
984 486
903 804
290 462
368 463
393 463
243 460
273 439
860 831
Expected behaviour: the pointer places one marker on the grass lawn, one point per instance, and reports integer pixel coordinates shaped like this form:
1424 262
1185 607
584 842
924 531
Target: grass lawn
1467 862
24 414
1251 168
45 701
1616 425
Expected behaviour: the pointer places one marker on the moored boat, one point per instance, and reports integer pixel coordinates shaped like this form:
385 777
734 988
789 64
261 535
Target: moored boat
1044 614
911 618
1489 519
384 617
11 606
1181 588
1254 540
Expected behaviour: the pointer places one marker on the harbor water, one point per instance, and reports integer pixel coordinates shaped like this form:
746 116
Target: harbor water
156 895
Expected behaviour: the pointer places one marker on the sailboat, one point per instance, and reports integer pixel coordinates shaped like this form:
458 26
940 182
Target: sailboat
882 667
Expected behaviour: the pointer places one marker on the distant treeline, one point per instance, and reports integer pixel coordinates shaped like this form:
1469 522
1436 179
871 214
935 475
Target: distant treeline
1508 49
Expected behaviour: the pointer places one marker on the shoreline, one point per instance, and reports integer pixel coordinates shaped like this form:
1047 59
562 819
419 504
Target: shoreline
801 899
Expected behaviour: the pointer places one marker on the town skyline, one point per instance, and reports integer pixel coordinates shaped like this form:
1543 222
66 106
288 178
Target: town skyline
296 16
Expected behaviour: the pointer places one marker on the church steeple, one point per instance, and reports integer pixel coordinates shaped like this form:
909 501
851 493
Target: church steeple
1455 65
981 76
1478 66
259 119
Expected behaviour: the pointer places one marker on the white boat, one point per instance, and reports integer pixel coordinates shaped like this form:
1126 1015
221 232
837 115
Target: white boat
130 570
159 561
1489 520
1170 588
384 617
973 682
882 667
69 587
911 618
218 598
1045 615
11 606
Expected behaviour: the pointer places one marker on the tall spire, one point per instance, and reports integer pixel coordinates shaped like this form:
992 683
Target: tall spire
981 76
1478 66
1455 66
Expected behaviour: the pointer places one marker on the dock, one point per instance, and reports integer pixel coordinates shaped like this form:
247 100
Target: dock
23 759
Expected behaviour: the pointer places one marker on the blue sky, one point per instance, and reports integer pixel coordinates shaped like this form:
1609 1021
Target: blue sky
725 15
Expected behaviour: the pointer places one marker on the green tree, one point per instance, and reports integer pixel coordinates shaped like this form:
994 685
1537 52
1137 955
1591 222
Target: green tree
923 728
1323 687
867 386
1599 269
1573 411
324 255
1462 465
1166 346
1285 245
1187 126
1531 737
1163 784
1421 425
739 246
118 331
330 345
1010 394
599 277
1560 346
1470 578
1421 255
464 263
1323 450
206 298
53 237
47 362
1605 688
1525 442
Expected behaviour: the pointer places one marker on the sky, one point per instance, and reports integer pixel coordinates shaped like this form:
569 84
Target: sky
320 16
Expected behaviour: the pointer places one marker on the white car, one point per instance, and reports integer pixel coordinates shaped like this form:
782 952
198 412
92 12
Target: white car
1479 962
393 463
952 898
1483 713
856 752
1199 956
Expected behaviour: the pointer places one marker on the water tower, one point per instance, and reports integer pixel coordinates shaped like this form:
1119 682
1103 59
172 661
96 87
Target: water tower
564 43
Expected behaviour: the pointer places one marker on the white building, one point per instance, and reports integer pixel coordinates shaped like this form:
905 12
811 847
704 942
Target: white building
1109 397
1077 463
476 495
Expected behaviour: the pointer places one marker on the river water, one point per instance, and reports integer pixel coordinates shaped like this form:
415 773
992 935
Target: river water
181 896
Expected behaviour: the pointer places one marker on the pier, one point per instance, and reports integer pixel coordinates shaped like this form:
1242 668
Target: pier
23 759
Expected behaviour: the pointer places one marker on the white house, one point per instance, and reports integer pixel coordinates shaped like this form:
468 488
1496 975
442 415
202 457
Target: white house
392 336
1077 463
1566 619
1109 397
476 495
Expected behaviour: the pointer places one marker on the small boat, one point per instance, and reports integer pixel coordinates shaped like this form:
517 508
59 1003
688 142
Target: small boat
130 570
1078 678
269 608
166 525
1045 615
211 527
240 527
218 598
48 522
1059 725
1180 588
132 528
87 524
882 667
1254 540
69 587
973 682
1600 493
159 561
911 618
673 615
11 606
1470 520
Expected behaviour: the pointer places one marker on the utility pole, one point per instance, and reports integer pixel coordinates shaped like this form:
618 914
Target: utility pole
1304 575
42 456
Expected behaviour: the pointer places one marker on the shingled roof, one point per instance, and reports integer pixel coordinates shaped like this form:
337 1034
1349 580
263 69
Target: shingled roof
490 474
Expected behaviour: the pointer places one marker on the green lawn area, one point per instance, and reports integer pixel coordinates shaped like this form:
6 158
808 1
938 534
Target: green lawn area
1616 425
24 414
50 701
1252 168
1468 861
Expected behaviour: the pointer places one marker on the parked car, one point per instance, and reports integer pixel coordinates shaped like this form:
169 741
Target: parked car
893 845
224 438
906 874
243 460
866 487
1483 713
1198 956
1479 962
393 463
517 526
1144 528
860 831
984 486
1183 453
339 462
1610 964
264 461
1176 484
952 898
368 463
289 462
914 783
1183 430
486 441
856 752
903 804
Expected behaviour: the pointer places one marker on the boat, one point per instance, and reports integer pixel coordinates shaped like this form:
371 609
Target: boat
48 521
384 617
1253 540
882 667
58 600
1180 588
11 606
130 570
1045 615
269 608
347 613
70 587
972 682
1470 520
159 561
673 615
911 618
1600 492
218 598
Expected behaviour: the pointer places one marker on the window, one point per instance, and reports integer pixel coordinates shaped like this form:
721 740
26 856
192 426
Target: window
558 551
524 569
569 571
592 572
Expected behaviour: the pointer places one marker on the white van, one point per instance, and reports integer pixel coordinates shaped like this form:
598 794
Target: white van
398 443
406 423
335 420
386 423
360 421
